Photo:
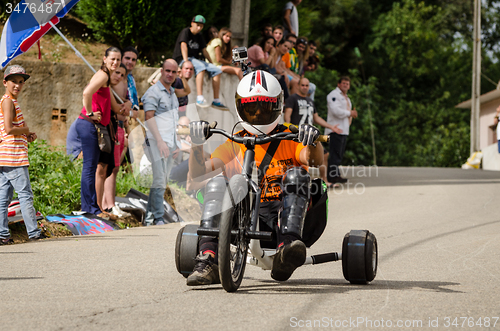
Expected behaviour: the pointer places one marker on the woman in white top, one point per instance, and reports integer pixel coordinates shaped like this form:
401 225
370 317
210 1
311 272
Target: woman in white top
219 50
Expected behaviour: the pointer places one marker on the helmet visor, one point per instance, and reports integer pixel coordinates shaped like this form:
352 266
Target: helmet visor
259 110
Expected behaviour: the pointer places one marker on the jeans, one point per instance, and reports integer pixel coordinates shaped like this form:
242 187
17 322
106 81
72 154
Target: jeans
200 66
18 179
161 170
91 153
337 149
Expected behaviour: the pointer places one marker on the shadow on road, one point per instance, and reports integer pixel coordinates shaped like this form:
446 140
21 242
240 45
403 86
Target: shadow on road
338 286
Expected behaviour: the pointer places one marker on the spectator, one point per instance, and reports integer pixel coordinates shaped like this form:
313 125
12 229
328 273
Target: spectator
213 32
129 59
313 61
161 108
14 163
120 122
300 109
290 58
282 49
220 52
97 107
291 17
339 113
278 33
181 86
267 30
262 56
190 46
302 56
495 122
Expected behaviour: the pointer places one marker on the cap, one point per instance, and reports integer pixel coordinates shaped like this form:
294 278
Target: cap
199 19
15 70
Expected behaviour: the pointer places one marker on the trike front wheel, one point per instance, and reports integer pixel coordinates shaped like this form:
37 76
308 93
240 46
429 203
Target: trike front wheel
233 247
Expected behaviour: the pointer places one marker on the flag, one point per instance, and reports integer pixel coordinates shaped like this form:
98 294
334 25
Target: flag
28 22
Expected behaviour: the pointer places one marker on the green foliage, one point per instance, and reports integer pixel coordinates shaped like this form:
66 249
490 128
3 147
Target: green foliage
55 179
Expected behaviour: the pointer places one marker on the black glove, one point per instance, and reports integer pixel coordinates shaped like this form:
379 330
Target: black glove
308 134
199 131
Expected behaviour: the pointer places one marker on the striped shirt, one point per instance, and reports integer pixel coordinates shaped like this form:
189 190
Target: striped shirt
13 148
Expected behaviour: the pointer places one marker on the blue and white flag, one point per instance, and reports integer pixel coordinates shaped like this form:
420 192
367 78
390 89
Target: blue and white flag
28 22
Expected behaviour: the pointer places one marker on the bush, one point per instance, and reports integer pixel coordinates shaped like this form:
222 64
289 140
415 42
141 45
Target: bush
55 179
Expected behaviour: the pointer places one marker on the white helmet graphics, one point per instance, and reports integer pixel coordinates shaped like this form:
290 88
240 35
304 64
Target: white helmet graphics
259 102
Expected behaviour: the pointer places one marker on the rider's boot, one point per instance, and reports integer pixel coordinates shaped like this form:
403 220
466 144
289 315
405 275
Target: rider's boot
291 250
205 272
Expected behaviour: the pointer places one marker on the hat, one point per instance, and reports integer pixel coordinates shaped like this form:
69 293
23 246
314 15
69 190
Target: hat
199 19
15 70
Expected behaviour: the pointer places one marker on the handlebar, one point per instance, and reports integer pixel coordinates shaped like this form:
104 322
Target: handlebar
257 140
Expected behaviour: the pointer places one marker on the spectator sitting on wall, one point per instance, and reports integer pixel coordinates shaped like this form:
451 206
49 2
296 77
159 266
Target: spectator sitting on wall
191 46
262 56
220 52
278 33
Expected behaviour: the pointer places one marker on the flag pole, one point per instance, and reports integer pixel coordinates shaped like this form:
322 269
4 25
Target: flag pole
90 66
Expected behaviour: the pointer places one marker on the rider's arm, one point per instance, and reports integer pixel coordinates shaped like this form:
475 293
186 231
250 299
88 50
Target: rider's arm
312 155
197 164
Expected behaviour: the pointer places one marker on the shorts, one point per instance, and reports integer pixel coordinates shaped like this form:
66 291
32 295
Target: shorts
200 66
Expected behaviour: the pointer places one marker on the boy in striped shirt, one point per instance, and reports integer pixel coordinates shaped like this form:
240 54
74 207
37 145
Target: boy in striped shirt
14 174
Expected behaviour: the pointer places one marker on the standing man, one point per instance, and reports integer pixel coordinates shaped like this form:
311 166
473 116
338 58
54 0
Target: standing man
291 17
300 109
191 46
161 109
129 59
339 113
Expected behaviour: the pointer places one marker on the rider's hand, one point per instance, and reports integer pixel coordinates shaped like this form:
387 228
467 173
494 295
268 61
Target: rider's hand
308 134
199 131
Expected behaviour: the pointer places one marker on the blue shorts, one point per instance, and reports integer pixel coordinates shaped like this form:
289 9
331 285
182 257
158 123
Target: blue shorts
200 66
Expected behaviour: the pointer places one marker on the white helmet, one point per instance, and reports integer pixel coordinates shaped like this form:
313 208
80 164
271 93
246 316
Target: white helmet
259 102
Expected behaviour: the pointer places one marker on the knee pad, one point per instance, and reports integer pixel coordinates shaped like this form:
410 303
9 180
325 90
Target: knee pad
296 195
212 208
297 181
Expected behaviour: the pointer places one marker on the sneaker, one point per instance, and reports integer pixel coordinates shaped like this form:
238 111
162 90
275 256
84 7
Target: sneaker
288 258
40 236
338 179
118 212
205 272
219 105
6 241
203 103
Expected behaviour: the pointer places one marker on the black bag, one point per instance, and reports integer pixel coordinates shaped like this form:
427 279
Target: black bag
103 138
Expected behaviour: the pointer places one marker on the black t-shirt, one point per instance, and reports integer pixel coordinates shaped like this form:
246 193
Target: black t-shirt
179 85
302 109
195 43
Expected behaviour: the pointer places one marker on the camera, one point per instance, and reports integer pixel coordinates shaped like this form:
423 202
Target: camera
240 54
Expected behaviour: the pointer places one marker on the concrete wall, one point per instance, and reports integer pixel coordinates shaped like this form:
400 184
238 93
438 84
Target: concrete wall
52 98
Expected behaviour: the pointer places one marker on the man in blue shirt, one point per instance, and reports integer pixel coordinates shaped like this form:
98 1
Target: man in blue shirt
161 111
129 59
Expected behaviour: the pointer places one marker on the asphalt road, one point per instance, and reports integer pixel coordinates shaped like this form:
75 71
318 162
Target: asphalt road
438 232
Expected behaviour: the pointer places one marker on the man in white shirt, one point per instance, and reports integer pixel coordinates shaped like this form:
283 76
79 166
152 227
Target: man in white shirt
339 113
